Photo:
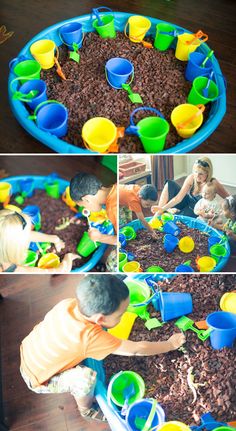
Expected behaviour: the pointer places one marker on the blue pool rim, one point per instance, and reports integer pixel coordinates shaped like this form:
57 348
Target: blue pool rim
196 224
217 112
39 184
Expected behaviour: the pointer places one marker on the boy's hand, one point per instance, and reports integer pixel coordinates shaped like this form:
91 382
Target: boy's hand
94 234
75 220
176 341
229 233
154 234
155 209
59 244
73 256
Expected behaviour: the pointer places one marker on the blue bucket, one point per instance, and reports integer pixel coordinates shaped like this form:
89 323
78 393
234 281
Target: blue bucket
122 240
223 325
72 33
184 268
212 240
194 69
118 71
171 228
175 304
27 187
35 84
170 243
141 409
33 212
53 118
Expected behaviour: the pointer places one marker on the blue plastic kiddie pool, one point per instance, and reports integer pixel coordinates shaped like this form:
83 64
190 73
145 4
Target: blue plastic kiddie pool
217 110
39 184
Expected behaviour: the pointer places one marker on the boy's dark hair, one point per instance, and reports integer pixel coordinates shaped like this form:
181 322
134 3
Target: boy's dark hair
230 203
148 193
101 293
84 184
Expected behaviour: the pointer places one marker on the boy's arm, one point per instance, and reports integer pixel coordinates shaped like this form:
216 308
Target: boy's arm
96 235
44 237
141 217
149 348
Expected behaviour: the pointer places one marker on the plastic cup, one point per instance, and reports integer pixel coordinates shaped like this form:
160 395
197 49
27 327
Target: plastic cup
33 211
206 264
139 292
99 134
142 409
122 260
5 191
118 71
27 187
131 267
184 268
196 96
183 49
152 133
44 51
183 113
228 302
175 304
223 325
122 240
194 69
163 40
174 426
53 118
107 30
124 327
31 258
128 232
170 243
138 27
155 268
53 189
86 246
155 223
171 228
27 70
218 251
167 217
186 244
49 260
72 33
38 85
213 240
122 380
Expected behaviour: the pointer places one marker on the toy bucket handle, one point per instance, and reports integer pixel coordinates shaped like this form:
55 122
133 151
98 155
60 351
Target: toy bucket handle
18 93
145 108
148 301
34 116
125 33
118 88
96 10
59 33
15 61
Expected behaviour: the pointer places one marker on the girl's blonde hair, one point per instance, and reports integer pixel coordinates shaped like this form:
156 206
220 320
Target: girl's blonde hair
14 240
205 164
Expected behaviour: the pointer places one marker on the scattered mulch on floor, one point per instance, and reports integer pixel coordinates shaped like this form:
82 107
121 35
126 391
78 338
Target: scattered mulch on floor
149 251
165 375
159 79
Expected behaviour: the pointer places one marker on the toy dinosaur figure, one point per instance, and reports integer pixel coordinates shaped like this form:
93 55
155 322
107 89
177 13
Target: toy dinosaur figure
193 386
65 223
4 35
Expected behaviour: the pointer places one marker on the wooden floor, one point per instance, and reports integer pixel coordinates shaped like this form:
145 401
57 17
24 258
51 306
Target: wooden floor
26 301
217 18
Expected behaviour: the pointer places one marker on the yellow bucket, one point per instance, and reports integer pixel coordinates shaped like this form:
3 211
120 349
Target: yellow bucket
99 134
67 199
155 223
174 426
44 52
13 208
228 302
187 43
187 118
5 191
138 27
206 264
124 327
132 267
99 216
186 244
49 260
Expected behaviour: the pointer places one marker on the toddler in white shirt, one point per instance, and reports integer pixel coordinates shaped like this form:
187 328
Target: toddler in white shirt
208 206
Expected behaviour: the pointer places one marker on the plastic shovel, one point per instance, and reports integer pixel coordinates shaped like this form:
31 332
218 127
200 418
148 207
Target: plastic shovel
134 97
95 11
205 90
189 120
145 424
128 392
209 55
185 324
59 69
197 35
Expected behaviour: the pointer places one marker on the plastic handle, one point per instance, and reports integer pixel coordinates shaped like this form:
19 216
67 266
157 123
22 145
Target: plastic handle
18 79
146 302
135 38
118 88
201 109
33 117
150 417
16 60
198 35
145 108
209 55
67 44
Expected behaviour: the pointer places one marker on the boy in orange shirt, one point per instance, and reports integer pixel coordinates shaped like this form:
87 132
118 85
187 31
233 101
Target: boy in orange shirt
72 331
134 198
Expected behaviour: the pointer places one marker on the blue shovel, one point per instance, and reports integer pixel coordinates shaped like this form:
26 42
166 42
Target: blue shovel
205 90
128 392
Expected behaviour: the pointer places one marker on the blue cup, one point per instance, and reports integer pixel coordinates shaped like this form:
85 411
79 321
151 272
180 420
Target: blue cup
33 212
53 118
118 71
171 228
38 85
72 33
122 240
223 325
194 69
175 304
170 243
184 268
213 240
27 187
142 409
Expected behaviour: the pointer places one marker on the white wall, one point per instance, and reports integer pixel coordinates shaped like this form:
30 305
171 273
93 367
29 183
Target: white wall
180 167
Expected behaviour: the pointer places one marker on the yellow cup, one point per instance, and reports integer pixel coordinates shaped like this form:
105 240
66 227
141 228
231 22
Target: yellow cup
174 426
206 264
44 52
228 302
138 27
155 223
100 134
13 208
99 216
67 199
5 191
49 260
124 327
186 244
131 267
187 118
184 46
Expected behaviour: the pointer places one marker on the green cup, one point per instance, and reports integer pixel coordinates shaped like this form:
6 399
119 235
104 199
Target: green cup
164 36
53 189
120 382
155 268
196 96
138 292
122 260
31 258
167 217
86 246
152 133
128 232
218 251
107 30
27 70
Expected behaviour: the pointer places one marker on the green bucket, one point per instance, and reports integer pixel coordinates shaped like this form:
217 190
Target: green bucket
107 30
86 246
120 381
138 292
218 251
152 133
27 70
155 268
167 217
128 232
31 258
122 260
163 40
196 97
53 189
